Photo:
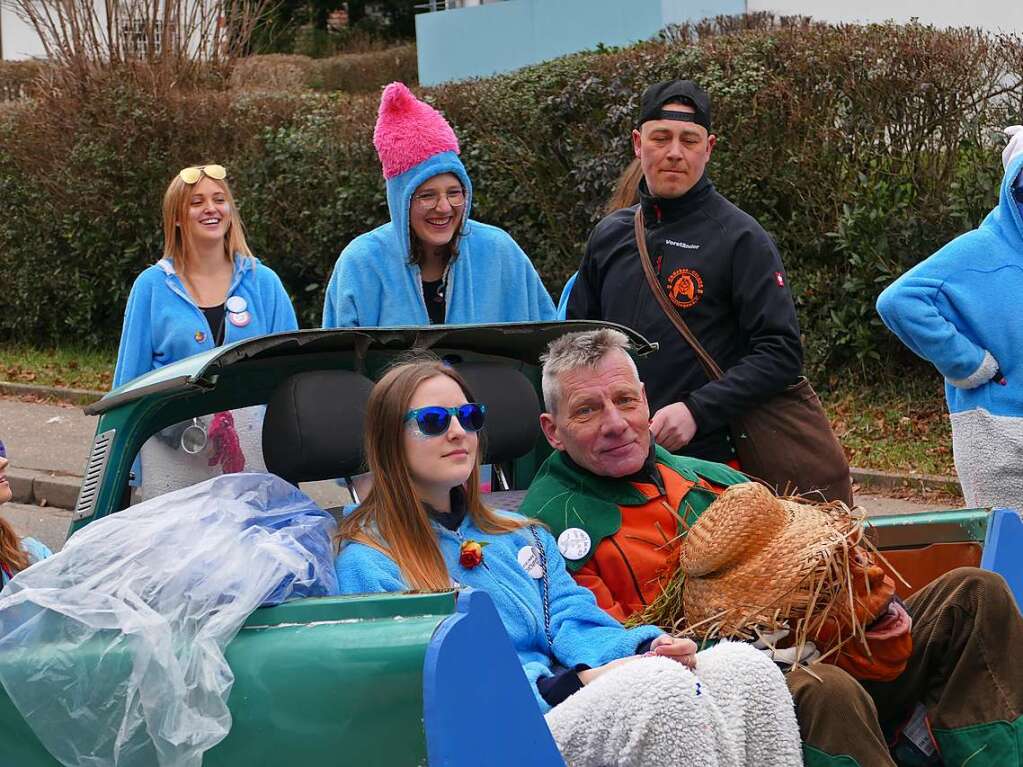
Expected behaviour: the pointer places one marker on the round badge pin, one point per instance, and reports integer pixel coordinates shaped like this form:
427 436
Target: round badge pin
199 336
574 543
530 562
239 320
236 304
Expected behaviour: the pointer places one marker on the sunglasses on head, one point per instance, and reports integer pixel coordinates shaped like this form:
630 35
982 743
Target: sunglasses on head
196 172
434 420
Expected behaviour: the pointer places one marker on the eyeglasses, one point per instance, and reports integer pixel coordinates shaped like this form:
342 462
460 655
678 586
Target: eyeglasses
430 200
193 174
434 420
3 450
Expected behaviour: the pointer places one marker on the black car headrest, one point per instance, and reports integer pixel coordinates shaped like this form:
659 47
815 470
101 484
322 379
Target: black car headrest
314 426
513 409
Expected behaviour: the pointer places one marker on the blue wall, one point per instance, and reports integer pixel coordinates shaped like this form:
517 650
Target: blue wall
500 37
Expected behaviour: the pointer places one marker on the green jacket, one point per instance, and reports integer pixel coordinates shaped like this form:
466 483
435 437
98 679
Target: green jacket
563 495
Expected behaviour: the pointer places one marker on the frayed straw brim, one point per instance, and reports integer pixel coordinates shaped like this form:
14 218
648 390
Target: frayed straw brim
755 563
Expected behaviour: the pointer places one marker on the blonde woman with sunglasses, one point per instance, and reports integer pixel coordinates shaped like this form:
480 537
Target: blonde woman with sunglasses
207 289
430 264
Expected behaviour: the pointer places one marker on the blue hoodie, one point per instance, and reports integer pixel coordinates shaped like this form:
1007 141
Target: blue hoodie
162 324
957 309
491 280
583 633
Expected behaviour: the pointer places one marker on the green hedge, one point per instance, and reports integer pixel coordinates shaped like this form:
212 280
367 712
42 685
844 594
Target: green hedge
861 149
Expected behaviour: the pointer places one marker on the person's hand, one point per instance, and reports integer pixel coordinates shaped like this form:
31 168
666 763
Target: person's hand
1015 146
588 675
673 426
675 648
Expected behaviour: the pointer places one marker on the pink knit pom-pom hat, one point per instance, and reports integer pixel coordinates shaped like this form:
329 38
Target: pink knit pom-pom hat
409 131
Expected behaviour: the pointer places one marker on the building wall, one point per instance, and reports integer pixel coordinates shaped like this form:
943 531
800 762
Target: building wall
19 40
991 15
500 37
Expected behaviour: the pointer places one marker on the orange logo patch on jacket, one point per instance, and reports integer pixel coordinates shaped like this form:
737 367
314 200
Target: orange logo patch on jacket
685 287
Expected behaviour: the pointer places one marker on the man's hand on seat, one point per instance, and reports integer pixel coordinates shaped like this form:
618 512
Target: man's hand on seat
673 426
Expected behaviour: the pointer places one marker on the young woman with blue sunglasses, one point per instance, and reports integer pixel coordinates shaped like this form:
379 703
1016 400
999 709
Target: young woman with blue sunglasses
15 553
424 527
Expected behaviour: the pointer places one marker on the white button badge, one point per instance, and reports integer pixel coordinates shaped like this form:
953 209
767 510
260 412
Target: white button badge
236 304
530 562
238 311
574 543
239 320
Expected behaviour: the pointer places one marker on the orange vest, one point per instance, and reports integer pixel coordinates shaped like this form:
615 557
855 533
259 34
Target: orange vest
629 569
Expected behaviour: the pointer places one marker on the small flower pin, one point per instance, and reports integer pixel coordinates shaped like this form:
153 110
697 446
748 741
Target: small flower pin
470 554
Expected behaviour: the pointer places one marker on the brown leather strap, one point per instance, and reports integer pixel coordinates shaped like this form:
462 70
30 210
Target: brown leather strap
709 365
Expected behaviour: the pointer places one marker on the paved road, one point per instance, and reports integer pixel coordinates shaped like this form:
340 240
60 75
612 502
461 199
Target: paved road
52 438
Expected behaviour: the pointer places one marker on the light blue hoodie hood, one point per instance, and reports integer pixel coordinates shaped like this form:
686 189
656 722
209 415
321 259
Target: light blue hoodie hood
491 279
400 189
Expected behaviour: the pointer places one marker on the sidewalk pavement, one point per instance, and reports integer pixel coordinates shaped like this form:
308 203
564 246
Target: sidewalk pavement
48 446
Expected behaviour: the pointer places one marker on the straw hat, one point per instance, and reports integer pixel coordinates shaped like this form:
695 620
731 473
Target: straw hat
753 560
754 563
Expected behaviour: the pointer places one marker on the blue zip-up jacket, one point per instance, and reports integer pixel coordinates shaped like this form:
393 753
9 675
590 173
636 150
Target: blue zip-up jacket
162 324
491 280
583 633
36 553
956 309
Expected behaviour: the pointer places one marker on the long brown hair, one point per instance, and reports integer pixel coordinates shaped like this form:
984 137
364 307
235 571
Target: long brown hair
177 239
392 519
11 553
626 192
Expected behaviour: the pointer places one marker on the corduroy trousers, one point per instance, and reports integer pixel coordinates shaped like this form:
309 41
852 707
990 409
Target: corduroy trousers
965 670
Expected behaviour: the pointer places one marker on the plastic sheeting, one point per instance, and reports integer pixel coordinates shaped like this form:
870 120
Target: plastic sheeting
112 650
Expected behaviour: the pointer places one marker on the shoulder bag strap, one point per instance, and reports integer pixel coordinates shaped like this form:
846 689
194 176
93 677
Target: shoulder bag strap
709 365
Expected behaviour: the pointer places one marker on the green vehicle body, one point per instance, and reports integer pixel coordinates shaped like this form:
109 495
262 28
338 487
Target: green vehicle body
389 679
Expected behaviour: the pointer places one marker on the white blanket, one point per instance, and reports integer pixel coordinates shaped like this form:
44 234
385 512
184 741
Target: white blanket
734 710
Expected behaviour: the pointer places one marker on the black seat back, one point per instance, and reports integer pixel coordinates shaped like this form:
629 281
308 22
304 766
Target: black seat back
314 426
513 409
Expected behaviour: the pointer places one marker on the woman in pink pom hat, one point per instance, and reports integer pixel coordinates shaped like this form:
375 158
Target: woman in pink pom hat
431 263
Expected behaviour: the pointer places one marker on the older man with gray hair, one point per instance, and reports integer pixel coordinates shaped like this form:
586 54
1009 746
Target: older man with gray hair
609 491
617 503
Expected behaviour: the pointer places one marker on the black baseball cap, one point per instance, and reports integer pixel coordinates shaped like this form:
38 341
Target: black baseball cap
654 98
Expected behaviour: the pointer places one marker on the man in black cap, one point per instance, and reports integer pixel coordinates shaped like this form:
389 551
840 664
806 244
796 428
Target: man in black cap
719 269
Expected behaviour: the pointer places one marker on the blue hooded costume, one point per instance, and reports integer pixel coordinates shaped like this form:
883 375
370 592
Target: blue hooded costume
491 279
162 324
582 632
374 282
957 310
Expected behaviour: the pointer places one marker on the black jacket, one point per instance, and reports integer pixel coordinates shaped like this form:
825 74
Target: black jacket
724 275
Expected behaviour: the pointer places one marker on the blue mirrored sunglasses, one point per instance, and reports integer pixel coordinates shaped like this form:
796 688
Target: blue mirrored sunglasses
3 450
434 420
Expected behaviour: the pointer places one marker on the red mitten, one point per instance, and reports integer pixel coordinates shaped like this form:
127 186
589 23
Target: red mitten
226 449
